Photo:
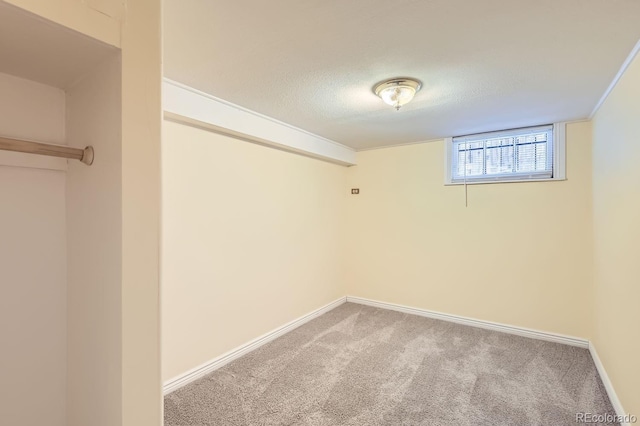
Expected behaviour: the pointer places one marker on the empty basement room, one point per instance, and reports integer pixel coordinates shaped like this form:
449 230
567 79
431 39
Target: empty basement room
400 213
238 213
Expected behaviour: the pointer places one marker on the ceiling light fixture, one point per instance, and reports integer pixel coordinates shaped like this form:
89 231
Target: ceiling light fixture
397 91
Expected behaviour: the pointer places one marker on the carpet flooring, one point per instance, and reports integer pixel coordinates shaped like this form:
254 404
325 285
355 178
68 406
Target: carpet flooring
358 365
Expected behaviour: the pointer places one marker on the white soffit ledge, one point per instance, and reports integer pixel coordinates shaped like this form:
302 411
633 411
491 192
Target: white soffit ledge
190 106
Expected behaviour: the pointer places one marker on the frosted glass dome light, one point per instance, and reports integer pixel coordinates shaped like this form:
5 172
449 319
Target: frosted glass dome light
397 91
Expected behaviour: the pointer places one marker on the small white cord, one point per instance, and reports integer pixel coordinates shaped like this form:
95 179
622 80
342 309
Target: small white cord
466 151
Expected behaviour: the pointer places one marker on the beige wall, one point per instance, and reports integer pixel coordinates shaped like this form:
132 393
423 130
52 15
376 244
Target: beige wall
141 131
32 260
616 211
94 233
403 207
519 254
251 240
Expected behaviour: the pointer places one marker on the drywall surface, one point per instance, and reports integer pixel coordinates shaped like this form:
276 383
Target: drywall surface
616 214
251 240
99 19
30 110
94 233
519 254
32 260
141 131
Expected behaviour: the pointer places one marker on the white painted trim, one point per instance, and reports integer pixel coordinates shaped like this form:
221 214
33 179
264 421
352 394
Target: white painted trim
488 325
520 331
491 182
248 111
559 161
448 145
218 362
617 78
559 151
212 365
613 397
577 120
395 145
190 106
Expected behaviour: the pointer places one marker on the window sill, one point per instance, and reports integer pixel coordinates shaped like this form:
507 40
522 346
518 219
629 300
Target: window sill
485 182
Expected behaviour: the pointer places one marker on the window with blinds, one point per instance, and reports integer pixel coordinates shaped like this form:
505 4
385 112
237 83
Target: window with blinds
520 154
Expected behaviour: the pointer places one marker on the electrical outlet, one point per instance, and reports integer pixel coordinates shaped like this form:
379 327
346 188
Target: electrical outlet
355 190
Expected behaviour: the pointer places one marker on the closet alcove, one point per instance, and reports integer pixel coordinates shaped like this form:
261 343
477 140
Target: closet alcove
60 221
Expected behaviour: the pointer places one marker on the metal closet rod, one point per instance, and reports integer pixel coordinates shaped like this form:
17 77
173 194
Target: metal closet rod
85 155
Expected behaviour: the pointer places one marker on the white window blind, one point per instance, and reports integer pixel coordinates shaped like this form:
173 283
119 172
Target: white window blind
518 154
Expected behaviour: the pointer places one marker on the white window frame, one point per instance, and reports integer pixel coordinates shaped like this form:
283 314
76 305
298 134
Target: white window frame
559 161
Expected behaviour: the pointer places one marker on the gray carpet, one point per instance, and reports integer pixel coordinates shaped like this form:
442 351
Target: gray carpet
358 365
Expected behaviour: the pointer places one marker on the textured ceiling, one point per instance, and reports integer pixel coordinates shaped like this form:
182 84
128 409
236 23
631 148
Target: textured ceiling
36 49
485 65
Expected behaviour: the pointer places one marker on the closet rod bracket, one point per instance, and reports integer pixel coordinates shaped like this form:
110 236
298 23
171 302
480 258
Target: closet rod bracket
87 155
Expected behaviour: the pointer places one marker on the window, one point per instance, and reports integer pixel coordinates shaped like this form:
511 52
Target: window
532 153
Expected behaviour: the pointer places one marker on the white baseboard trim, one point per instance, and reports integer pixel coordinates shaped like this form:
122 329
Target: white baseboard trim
489 325
206 368
613 397
520 331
